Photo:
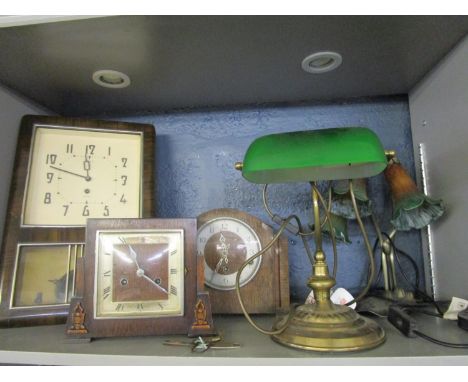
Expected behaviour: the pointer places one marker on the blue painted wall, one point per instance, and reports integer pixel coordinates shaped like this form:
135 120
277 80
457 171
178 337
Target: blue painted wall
196 152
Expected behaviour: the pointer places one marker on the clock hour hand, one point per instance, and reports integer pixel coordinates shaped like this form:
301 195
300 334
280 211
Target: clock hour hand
218 266
87 166
86 177
133 256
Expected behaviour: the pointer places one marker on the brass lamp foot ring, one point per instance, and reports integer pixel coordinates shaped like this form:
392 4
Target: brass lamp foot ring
330 328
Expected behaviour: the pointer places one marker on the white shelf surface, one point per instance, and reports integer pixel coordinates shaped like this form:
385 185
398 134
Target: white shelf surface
47 345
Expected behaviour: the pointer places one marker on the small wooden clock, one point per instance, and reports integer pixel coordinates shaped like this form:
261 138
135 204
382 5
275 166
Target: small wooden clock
140 278
226 239
66 171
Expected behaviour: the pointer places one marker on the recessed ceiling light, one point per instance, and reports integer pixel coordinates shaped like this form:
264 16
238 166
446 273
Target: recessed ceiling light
111 79
321 62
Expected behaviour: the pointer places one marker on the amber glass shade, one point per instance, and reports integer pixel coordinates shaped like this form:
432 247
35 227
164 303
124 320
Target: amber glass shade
411 208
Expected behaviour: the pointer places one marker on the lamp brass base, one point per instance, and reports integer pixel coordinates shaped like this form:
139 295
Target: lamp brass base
329 327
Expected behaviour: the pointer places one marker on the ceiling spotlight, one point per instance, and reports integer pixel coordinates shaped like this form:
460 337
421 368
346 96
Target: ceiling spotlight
321 62
111 79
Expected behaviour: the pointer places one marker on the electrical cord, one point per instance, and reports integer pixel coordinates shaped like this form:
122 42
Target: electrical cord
397 252
417 291
439 342
398 316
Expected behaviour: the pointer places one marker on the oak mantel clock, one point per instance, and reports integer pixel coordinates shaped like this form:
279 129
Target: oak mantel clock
226 239
66 170
140 278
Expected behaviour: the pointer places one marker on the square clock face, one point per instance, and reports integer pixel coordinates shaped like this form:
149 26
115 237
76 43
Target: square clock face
75 174
139 274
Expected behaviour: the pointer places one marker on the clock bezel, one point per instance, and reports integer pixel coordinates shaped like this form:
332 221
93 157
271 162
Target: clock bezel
15 234
140 232
35 126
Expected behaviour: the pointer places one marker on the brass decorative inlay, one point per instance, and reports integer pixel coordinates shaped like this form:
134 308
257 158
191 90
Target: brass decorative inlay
78 318
200 316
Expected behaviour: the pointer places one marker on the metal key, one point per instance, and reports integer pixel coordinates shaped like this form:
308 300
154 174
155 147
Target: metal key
200 345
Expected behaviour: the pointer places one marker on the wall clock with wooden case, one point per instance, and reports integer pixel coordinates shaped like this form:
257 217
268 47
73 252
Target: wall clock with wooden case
66 170
140 278
226 239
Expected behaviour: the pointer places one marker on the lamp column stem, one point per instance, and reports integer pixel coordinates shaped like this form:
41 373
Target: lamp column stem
392 260
320 282
317 227
384 259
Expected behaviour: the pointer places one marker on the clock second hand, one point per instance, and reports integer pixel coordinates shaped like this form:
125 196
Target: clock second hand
86 177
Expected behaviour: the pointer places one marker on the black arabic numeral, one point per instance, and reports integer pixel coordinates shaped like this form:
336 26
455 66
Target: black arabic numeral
90 149
51 158
47 198
85 210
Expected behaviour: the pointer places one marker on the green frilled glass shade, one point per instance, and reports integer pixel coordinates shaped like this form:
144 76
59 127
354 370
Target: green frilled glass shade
342 204
329 154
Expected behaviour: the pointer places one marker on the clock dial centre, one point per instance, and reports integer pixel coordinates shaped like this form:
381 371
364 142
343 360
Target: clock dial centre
227 249
226 244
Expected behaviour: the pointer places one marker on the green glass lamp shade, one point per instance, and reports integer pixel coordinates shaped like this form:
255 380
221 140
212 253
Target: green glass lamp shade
342 204
303 156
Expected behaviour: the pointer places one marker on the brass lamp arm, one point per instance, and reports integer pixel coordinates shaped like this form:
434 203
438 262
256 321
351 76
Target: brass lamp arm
247 262
368 247
384 260
290 227
391 155
297 230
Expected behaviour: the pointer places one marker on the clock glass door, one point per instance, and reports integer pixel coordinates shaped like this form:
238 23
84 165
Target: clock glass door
76 174
139 274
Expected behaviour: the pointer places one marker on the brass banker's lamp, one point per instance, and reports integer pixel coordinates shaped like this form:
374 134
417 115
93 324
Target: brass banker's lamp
329 154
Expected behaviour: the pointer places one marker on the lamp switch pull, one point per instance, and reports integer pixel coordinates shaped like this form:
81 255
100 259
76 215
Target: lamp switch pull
290 227
402 321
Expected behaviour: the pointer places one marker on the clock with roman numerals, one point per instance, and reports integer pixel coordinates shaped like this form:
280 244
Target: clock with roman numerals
144 277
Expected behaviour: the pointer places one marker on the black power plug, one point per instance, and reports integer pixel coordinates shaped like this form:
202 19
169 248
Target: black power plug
402 321
463 319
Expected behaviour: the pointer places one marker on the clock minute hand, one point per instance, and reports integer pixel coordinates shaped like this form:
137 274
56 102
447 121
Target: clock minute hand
152 281
71 173
141 272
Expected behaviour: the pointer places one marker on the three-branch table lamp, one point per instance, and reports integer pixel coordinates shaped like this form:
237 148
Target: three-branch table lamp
412 209
311 156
